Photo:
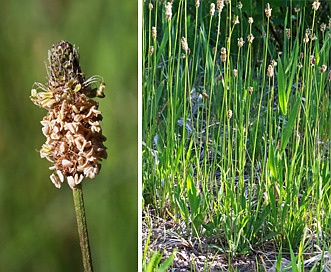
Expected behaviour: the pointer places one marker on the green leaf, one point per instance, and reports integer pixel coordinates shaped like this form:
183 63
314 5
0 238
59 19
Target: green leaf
289 126
272 163
167 263
282 94
193 197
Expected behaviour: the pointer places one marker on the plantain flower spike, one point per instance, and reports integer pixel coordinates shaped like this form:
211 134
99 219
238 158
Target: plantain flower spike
74 140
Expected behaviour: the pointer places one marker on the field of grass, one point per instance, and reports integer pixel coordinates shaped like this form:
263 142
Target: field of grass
237 132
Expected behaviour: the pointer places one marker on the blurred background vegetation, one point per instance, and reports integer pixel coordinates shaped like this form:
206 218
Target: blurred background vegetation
38 228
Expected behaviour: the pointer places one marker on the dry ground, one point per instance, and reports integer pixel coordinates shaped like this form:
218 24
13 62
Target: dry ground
198 255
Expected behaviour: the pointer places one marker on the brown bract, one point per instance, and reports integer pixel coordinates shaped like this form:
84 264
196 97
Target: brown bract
74 139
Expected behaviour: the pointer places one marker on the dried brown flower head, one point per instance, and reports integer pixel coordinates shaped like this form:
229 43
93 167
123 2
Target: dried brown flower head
154 32
312 60
223 54
236 20
288 33
151 50
212 9
306 38
220 5
316 5
323 68
235 72
168 11
250 38
268 10
74 140
270 71
241 42
185 45
205 95
323 27
230 114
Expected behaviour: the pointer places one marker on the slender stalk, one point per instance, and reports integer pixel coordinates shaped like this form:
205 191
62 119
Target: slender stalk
82 228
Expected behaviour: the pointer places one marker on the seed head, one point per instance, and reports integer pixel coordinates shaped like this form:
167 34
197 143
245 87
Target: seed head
223 54
168 11
306 38
230 114
240 5
241 42
288 33
235 72
250 38
154 32
250 89
74 140
312 60
323 68
212 9
151 50
316 5
297 8
236 20
268 10
220 5
197 3
185 45
270 71
250 20
323 27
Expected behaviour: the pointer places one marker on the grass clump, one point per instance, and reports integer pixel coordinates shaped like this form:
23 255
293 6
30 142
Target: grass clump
236 124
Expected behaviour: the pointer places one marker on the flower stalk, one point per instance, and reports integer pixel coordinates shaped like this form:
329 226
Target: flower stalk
82 228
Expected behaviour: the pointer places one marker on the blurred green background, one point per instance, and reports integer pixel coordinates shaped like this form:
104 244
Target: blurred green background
38 228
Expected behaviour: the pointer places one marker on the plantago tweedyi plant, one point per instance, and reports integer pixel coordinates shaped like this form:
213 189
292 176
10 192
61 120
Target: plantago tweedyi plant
74 140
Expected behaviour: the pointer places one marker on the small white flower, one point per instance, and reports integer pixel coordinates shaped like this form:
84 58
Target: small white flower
66 163
73 181
56 180
90 172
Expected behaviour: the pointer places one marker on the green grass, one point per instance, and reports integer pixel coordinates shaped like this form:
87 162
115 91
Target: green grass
244 158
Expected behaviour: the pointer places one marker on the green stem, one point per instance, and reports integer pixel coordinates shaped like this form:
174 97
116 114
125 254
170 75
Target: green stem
82 228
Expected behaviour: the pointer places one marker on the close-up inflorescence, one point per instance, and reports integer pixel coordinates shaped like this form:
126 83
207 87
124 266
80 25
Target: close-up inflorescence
74 139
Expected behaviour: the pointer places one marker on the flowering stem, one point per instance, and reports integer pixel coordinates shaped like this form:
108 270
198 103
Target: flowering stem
82 227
